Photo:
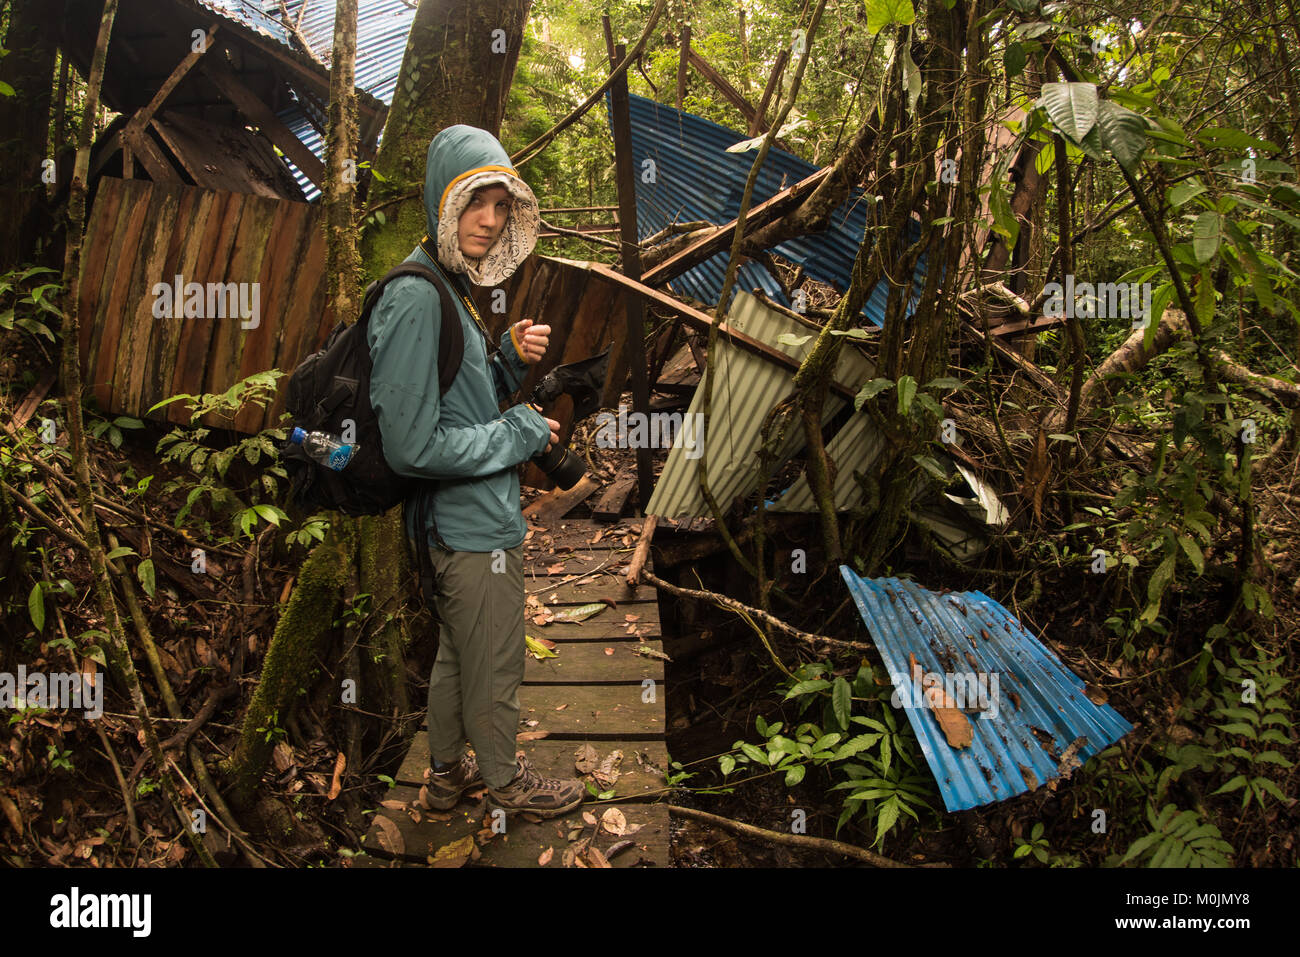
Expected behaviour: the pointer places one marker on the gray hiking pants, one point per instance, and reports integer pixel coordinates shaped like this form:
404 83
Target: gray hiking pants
473 689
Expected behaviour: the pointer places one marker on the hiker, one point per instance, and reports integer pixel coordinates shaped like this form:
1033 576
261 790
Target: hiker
483 221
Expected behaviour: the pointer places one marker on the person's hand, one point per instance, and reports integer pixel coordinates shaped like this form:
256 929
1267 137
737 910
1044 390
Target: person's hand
555 435
532 339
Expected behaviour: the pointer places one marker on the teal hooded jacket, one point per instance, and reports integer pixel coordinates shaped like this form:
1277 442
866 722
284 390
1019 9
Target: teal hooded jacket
464 448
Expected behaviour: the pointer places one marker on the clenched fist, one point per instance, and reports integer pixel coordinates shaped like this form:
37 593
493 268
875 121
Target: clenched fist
532 339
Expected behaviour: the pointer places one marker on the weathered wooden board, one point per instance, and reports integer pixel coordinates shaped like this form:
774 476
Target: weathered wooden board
586 662
554 758
611 586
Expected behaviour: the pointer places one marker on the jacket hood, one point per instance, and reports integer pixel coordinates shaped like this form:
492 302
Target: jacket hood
460 160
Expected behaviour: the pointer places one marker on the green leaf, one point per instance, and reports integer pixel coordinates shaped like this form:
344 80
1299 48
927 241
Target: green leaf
36 605
727 763
882 13
888 817
1164 573
119 552
146 575
1194 553
1014 59
1123 132
581 613
1206 235
790 339
753 753
842 701
870 389
906 392
807 687
1181 193
1072 107
795 775
537 649
6 89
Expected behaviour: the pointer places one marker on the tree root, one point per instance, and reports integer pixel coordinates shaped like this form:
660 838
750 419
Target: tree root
790 840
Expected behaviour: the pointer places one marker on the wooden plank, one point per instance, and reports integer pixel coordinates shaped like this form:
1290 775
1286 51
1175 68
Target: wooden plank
192 217
287 243
612 586
141 118
614 500
135 280
104 222
593 711
523 842
536 579
135 207
308 321
729 92
610 631
144 149
716 242
586 662
557 503
260 115
554 758
195 340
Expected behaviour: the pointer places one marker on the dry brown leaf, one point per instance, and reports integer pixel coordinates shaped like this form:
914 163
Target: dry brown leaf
340 762
531 735
561 707
390 838
595 858
282 757
589 818
567 857
11 812
556 569
614 822
545 857
598 536
609 651
588 759
631 617
394 805
454 854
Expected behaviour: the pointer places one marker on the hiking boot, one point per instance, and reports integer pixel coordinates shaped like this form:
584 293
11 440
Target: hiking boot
446 787
529 791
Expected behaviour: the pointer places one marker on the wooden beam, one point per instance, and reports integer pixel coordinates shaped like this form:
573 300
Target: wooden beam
716 242
260 115
682 62
150 156
634 355
728 91
703 321
768 90
142 117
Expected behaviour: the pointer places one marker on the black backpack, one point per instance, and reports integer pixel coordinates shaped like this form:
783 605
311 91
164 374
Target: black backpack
332 386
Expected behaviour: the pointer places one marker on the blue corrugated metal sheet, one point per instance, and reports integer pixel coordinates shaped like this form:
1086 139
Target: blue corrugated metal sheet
1038 699
695 178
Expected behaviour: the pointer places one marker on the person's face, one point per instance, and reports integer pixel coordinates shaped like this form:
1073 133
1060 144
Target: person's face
483 220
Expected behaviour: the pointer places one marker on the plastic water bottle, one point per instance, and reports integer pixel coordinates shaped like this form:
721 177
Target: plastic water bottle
328 450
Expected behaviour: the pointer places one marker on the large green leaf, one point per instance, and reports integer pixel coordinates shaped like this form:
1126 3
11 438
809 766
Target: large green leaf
881 13
1014 59
1072 107
36 605
1205 236
1123 132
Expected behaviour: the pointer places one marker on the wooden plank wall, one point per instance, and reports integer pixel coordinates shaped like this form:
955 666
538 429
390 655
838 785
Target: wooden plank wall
141 233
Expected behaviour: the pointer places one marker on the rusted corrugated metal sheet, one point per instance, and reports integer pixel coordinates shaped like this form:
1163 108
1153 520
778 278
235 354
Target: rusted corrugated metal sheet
1035 709
745 389
140 234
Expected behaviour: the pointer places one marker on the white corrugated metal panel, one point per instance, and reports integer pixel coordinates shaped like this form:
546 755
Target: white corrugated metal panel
854 448
746 389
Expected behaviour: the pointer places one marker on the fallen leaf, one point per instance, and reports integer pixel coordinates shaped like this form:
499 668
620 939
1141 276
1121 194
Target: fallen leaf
532 818
581 612
537 649
646 651
595 858
574 834
631 617
618 848
454 854
545 857
282 757
588 759
598 536
610 602
340 762
394 805
390 838
556 569
608 773
609 651
531 735
567 857
589 817
561 707
614 822
542 620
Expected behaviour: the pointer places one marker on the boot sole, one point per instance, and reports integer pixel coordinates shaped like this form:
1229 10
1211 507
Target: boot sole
544 813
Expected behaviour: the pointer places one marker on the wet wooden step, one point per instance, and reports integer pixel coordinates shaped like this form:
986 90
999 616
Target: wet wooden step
586 662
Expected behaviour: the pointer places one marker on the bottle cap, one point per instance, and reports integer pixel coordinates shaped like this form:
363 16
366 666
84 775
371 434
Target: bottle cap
297 435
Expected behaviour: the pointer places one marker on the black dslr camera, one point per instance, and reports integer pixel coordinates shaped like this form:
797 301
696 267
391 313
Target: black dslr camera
582 381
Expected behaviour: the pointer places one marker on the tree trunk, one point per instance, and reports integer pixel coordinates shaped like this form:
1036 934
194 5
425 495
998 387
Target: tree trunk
24 117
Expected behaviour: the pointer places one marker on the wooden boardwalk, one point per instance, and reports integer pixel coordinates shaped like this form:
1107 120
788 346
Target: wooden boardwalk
598 707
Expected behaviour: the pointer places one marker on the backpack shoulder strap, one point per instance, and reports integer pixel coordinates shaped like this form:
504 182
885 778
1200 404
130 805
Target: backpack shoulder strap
451 340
